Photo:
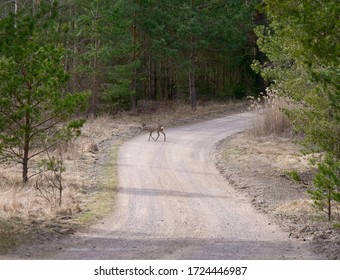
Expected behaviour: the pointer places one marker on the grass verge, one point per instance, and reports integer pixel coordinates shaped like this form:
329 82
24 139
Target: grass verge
102 202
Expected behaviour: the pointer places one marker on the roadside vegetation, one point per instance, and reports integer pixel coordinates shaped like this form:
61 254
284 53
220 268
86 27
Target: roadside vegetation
290 161
90 176
301 43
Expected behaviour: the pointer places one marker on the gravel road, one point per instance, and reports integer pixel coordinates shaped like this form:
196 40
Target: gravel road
172 203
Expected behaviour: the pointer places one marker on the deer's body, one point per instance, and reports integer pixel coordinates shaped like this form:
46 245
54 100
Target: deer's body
157 128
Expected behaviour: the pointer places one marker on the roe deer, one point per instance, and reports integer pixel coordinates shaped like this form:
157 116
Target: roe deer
158 129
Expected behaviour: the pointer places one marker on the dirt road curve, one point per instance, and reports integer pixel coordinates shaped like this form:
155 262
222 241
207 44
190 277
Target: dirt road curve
173 204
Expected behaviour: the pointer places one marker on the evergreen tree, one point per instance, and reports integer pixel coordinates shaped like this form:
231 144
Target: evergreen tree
208 40
101 52
327 186
128 50
35 112
301 43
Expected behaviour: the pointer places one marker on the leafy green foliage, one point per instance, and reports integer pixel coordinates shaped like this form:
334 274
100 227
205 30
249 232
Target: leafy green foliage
146 49
294 175
35 110
301 43
100 50
218 35
50 184
327 185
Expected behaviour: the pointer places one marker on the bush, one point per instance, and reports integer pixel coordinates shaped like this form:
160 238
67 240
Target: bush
326 194
270 116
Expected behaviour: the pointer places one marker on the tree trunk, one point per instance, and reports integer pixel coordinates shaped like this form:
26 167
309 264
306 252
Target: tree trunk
96 45
133 99
94 95
27 130
25 164
26 149
155 83
192 88
150 76
329 204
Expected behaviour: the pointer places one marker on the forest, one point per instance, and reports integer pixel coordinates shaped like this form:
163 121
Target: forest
61 59
125 51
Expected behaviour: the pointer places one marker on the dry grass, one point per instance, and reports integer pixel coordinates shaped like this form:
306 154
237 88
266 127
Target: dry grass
304 209
270 118
23 208
90 177
172 113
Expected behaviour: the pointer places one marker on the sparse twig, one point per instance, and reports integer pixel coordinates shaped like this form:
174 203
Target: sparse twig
50 180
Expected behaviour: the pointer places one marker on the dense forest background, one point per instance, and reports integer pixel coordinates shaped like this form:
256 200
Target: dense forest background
125 51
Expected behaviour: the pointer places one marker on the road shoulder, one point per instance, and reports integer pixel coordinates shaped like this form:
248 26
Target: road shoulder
258 167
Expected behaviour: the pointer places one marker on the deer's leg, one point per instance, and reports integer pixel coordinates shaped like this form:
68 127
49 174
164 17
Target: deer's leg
151 135
164 136
157 136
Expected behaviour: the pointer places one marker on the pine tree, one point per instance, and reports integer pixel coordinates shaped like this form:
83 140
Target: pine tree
327 186
35 112
301 43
